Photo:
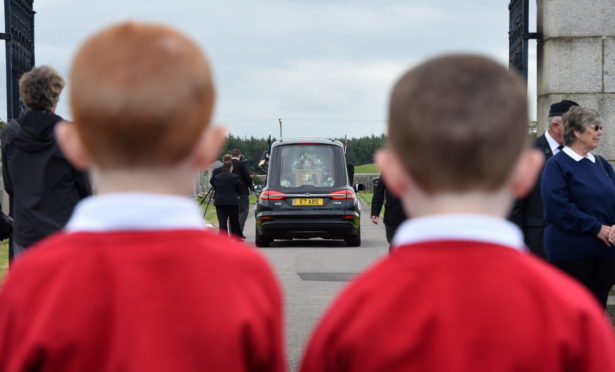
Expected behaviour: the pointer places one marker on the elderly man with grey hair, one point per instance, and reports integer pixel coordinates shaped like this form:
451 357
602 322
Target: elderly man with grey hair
43 187
527 213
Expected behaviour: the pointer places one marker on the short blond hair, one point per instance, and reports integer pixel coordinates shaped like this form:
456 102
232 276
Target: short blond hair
141 95
458 123
40 88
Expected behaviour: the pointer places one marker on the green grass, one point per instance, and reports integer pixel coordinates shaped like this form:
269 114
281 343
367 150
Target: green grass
210 216
210 213
4 259
366 196
252 199
366 168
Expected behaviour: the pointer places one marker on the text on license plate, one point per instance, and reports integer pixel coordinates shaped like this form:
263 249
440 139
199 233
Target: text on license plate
307 201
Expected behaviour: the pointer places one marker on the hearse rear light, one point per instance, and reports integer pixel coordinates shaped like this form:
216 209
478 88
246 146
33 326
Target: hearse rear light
272 195
343 194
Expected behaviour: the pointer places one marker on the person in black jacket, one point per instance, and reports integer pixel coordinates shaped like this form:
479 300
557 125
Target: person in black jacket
226 198
240 168
394 213
225 158
527 213
43 187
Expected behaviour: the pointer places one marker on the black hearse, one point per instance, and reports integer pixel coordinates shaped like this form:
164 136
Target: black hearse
308 194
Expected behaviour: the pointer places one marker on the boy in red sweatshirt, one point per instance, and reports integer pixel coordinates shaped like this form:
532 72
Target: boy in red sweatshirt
135 282
460 292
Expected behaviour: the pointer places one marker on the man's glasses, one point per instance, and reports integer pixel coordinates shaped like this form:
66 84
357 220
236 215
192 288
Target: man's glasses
595 127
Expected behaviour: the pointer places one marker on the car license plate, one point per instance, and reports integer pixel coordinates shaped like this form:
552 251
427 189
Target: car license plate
307 201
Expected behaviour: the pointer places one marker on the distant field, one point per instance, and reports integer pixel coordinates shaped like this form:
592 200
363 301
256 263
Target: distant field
366 168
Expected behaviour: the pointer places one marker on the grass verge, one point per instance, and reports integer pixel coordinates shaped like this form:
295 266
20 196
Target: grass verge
366 196
366 168
210 214
4 259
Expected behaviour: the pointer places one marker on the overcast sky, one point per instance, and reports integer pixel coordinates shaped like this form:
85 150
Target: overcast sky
325 67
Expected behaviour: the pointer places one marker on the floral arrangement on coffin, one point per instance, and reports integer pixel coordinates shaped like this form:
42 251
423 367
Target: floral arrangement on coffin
307 161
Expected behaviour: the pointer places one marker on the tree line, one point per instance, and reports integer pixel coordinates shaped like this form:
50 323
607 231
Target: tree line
359 150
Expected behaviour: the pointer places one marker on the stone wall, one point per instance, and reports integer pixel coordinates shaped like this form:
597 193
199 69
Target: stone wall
576 60
366 179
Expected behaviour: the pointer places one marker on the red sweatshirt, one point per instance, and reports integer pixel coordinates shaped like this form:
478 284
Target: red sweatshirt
462 306
177 300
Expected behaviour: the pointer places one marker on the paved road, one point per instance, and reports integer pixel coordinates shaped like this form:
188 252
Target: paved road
313 271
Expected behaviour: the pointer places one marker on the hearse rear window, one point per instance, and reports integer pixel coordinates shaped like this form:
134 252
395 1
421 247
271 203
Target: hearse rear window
308 166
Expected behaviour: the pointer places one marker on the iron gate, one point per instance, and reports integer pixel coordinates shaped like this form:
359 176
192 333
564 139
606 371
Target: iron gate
19 36
518 36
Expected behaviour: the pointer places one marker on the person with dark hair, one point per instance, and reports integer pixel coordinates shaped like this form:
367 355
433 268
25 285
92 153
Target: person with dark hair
43 186
459 292
240 168
394 214
215 171
578 189
527 213
226 199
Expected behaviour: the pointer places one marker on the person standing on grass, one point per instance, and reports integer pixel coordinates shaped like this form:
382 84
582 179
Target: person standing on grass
459 292
43 186
226 199
135 282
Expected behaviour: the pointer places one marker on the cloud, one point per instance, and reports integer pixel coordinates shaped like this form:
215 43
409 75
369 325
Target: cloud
338 92
324 66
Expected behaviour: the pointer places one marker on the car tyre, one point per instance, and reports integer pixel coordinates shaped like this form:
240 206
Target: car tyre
354 240
261 240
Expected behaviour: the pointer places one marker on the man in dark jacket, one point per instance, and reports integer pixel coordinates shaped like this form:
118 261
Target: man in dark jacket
394 214
527 213
226 198
240 168
43 187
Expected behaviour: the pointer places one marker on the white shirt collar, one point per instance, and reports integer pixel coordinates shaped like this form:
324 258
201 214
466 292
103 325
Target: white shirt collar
576 157
552 143
468 227
135 211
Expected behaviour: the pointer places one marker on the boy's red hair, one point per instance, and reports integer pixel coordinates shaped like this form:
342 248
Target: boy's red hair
141 95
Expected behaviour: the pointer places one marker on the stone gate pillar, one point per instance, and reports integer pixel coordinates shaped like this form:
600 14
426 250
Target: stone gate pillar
576 60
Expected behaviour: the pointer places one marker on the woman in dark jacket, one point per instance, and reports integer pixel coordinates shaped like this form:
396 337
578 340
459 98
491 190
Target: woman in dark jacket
226 198
43 187
578 190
